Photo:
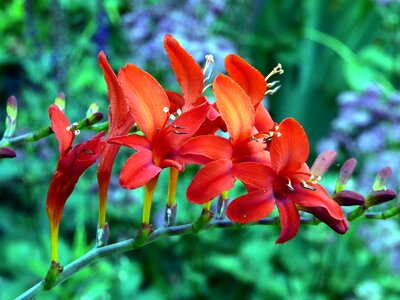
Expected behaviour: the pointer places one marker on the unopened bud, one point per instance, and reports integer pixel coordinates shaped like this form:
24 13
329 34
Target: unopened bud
321 164
11 119
93 108
379 197
6 152
349 198
345 173
52 275
381 179
60 101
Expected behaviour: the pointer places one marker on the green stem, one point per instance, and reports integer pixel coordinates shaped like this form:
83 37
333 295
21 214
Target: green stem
131 244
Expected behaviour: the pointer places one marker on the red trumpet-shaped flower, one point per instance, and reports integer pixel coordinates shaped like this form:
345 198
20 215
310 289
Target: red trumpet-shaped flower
285 183
219 154
72 163
120 122
164 133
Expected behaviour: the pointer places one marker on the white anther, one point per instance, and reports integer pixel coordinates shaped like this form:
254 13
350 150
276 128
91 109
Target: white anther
179 112
77 132
166 109
172 117
68 128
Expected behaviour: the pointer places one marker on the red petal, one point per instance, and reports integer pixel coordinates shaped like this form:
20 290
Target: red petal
59 124
290 220
119 117
146 99
289 150
133 141
249 79
138 170
340 226
235 108
251 207
257 175
176 101
263 122
210 146
318 198
215 178
188 73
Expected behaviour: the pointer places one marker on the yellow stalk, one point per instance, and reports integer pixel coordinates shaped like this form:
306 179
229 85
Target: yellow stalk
173 180
148 198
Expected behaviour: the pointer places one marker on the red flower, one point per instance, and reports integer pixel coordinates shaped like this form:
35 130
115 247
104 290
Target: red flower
284 183
219 154
72 163
120 121
159 148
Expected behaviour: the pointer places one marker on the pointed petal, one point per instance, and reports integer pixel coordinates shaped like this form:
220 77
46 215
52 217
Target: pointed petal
318 198
249 79
138 170
213 179
133 141
290 219
211 146
254 174
146 99
263 122
176 101
289 149
235 108
188 73
251 207
118 110
59 124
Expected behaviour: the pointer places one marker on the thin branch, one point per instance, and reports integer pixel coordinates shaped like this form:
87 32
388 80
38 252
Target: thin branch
131 244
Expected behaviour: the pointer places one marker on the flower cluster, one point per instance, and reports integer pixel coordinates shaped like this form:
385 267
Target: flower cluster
177 129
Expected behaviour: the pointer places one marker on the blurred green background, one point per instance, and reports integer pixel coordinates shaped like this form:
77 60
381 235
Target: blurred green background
325 47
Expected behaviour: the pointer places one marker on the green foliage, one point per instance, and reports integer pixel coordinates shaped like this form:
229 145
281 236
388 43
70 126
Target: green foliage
325 48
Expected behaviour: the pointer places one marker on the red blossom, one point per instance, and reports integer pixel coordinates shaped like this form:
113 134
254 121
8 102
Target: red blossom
284 183
163 136
72 163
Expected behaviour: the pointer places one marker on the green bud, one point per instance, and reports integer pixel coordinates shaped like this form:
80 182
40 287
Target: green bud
60 101
381 179
52 275
93 108
11 119
143 234
345 173
205 218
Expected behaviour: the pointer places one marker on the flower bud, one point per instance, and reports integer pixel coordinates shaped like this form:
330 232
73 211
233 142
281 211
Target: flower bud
321 164
381 179
60 101
379 197
349 198
345 173
93 108
11 119
6 152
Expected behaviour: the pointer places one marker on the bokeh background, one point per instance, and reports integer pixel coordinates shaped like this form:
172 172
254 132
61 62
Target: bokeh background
341 81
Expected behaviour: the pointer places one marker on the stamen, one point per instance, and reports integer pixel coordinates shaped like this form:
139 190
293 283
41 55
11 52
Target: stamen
179 112
277 70
273 91
289 185
77 132
207 86
166 109
306 186
177 126
180 132
254 139
172 117
208 68
88 151
272 84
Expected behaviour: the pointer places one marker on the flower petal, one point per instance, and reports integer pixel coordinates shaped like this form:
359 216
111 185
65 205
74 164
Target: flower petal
317 198
254 174
235 108
188 73
213 179
138 170
289 218
210 146
119 116
263 121
176 101
249 79
59 124
340 226
251 207
133 141
289 148
146 99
